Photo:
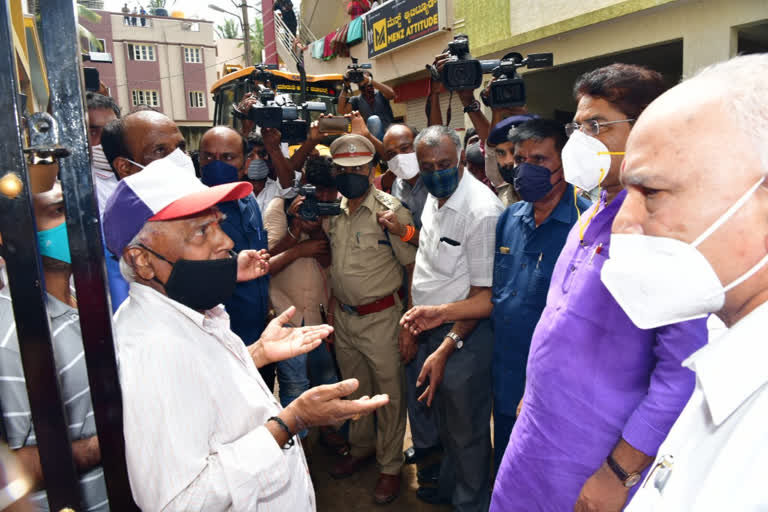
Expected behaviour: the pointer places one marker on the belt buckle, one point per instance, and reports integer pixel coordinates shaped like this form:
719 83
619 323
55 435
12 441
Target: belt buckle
348 309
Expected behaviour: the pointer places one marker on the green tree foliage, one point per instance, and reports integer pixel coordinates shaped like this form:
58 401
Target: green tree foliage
229 30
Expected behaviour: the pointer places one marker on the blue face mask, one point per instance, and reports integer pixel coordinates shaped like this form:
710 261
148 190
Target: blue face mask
218 173
441 183
532 182
54 243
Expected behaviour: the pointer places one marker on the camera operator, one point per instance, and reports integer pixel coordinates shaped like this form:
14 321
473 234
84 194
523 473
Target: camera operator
265 162
372 102
299 277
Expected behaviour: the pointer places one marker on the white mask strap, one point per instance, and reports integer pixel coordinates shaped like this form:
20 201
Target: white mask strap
134 163
749 273
728 213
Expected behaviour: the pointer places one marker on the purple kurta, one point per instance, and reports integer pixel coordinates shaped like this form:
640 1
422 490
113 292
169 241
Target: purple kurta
592 377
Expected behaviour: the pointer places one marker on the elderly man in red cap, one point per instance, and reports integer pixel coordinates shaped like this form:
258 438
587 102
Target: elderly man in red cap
202 430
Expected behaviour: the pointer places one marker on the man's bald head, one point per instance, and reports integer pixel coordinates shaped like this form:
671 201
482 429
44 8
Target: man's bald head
398 140
692 155
143 137
226 145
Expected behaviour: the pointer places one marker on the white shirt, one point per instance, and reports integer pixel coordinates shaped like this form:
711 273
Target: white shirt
271 190
456 244
719 444
194 413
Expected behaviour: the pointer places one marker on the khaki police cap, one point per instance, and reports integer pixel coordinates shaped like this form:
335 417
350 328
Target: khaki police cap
351 150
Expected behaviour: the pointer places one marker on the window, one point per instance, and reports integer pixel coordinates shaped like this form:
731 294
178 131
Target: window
97 45
141 52
145 97
192 55
196 99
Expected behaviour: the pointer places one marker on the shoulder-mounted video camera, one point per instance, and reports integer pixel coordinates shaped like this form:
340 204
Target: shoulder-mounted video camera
356 73
508 88
462 72
277 112
312 208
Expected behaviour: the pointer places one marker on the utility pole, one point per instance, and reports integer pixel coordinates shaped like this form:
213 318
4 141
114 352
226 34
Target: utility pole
246 35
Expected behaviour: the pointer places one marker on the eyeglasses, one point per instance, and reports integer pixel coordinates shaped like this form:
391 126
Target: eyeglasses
347 169
591 127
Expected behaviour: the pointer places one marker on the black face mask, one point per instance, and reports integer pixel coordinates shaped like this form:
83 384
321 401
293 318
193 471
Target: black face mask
352 185
508 173
200 284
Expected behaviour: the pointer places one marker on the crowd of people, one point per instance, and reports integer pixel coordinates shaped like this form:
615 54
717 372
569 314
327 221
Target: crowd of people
552 281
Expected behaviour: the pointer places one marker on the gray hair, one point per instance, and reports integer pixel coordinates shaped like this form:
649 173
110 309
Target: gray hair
127 271
433 135
744 81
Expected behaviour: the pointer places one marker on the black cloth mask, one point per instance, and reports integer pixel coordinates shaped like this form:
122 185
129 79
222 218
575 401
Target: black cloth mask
352 185
200 284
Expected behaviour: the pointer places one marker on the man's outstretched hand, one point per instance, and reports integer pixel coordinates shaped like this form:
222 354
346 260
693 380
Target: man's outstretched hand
324 405
422 318
252 264
278 342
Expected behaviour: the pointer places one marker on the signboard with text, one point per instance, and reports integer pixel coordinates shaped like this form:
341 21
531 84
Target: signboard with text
400 22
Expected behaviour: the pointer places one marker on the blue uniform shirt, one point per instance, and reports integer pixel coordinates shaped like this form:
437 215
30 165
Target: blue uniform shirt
249 304
523 262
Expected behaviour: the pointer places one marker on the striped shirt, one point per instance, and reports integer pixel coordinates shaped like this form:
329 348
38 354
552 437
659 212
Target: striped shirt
194 413
73 384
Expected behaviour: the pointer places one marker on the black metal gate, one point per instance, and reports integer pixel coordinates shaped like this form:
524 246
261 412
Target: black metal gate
59 34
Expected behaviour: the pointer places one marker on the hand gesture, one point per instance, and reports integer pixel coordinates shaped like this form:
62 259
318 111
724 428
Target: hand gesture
278 342
324 405
388 220
408 345
422 318
357 124
252 264
434 370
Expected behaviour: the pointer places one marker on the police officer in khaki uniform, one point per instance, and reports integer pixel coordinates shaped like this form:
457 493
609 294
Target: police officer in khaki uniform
367 281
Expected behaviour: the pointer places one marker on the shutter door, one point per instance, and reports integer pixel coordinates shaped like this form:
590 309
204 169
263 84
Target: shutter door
416 117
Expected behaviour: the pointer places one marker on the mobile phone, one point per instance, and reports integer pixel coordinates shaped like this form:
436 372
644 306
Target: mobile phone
335 124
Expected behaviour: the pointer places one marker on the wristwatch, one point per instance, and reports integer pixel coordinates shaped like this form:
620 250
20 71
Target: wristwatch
628 479
455 337
472 107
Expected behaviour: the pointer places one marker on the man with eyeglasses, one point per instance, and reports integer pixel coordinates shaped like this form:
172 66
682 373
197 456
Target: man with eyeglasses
600 393
366 279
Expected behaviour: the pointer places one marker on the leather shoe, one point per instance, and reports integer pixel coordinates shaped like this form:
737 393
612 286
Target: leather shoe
349 465
429 475
387 489
414 455
432 496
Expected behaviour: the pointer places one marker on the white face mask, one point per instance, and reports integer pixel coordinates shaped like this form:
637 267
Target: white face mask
660 281
258 170
586 161
177 157
405 166
99 159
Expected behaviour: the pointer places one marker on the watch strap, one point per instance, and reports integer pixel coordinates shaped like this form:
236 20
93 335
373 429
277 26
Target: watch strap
628 479
456 338
472 107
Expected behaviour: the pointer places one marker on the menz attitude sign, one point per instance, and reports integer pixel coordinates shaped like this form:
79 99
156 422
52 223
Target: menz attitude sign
400 22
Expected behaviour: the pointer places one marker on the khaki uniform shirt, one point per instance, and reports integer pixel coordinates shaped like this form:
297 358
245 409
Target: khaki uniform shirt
366 261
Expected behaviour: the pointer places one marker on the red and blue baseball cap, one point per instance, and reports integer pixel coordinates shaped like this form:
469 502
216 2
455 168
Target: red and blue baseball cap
163 190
